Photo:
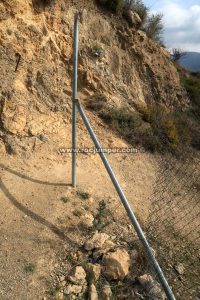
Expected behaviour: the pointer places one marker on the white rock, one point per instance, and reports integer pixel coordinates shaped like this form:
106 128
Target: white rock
146 281
93 271
73 289
93 295
88 220
78 276
96 241
180 269
116 264
107 246
59 296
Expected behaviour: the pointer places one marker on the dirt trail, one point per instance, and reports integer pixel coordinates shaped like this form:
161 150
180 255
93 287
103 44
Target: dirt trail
30 192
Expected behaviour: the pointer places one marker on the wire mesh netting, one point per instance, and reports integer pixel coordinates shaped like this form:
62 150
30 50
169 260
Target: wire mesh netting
173 227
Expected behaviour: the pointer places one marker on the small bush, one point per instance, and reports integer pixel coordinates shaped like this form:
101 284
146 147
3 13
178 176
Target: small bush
103 216
83 195
154 27
37 4
192 86
96 102
29 268
115 6
65 199
123 120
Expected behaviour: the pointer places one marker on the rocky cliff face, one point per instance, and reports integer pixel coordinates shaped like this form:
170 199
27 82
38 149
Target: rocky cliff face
36 65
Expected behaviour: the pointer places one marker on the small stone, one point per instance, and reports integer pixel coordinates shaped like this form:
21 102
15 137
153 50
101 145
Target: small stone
107 246
146 281
106 292
78 276
134 254
88 220
116 264
152 287
59 296
93 271
62 7
156 292
93 292
96 241
180 269
73 289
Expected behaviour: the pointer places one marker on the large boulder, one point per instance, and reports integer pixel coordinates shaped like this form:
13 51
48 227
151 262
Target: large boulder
116 264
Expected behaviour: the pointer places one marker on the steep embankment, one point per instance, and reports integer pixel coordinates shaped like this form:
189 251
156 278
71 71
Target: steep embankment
132 69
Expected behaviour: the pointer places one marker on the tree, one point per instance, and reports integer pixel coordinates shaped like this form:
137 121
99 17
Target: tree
177 54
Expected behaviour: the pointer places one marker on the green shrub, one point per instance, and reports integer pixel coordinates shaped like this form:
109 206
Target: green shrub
154 27
122 119
115 6
42 3
97 102
169 130
192 86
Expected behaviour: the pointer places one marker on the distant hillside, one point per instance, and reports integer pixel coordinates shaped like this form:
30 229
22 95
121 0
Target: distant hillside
191 61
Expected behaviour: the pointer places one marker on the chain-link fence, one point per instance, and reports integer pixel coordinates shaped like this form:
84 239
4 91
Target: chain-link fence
173 227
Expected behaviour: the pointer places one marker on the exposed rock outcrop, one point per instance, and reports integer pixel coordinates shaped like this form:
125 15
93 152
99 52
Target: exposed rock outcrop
36 63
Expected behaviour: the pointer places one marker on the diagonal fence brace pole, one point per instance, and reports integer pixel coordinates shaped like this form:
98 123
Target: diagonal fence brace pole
127 207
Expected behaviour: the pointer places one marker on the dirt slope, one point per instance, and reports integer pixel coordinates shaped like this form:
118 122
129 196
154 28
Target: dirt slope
32 212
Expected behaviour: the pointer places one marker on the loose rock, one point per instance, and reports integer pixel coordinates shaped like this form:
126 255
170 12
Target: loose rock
180 269
93 271
88 220
116 264
73 289
106 292
93 295
78 276
96 241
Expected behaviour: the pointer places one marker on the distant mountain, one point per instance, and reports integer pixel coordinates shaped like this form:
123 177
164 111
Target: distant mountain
191 61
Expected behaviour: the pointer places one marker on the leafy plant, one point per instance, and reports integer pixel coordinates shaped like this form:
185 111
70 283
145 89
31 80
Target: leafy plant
83 195
122 119
114 5
154 27
29 268
103 217
65 199
96 102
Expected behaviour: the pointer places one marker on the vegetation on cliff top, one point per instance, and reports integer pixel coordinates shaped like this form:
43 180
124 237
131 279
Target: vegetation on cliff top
151 23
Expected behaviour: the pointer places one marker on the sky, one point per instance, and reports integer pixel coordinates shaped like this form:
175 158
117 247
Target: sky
181 22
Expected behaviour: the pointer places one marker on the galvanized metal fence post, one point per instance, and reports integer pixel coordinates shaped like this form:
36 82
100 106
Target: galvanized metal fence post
74 96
